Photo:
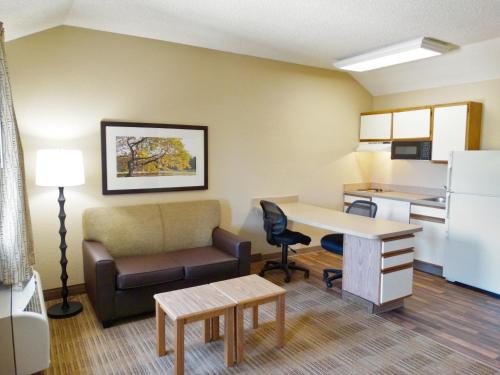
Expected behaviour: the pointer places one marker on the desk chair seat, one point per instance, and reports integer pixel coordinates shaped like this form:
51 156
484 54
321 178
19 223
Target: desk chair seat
289 237
275 223
334 243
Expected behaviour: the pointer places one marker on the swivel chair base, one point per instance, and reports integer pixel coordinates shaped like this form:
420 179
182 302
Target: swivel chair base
337 274
284 265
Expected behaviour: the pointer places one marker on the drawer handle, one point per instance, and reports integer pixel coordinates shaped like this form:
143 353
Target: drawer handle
397 268
398 252
427 218
398 238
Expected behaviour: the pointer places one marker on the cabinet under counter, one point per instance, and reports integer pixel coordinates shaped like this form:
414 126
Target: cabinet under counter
431 243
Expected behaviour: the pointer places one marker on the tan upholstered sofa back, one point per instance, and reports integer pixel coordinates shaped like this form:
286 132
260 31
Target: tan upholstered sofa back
152 228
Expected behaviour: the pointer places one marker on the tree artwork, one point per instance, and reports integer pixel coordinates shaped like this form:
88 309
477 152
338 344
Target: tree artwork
153 156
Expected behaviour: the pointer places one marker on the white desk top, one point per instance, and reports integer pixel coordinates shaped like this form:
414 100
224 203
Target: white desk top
337 221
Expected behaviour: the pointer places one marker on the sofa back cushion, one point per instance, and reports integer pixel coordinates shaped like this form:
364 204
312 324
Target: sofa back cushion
152 228
189 224
125 231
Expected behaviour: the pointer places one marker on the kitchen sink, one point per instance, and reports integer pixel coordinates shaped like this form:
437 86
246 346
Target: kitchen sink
436 199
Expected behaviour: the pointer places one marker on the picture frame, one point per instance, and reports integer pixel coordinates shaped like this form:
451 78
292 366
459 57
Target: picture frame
148 158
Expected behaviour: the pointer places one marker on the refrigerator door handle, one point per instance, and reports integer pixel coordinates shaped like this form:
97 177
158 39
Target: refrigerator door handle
450 169
448 204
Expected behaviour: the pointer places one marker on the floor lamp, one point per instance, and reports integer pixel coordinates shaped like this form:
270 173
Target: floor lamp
61 168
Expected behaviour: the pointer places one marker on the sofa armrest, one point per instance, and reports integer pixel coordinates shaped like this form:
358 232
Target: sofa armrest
99 271
235 246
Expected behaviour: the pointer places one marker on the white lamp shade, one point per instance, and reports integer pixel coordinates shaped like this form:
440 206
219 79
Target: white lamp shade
59 168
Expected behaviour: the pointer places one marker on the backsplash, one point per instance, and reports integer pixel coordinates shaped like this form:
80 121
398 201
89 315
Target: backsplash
401 188
409 173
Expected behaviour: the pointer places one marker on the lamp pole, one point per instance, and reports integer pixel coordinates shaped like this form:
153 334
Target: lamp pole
65 309
61 168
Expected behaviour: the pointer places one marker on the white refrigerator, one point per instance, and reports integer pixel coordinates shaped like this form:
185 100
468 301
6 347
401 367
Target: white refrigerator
472 254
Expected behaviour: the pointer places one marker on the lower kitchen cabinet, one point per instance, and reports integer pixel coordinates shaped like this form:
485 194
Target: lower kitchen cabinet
390 209
348 199
429 245
431 242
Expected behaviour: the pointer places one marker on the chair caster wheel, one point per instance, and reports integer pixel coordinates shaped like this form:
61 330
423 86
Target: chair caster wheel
329 284
287 279
306 274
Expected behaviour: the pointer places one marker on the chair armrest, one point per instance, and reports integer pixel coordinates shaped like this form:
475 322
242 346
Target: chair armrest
99 271
235 246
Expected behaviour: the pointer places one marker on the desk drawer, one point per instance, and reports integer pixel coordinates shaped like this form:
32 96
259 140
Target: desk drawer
389 245
397 260
395 285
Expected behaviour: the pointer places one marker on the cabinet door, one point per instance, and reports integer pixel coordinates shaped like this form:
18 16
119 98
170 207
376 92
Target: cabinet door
412 124
375 127
351 198
430 244
390 209
449 132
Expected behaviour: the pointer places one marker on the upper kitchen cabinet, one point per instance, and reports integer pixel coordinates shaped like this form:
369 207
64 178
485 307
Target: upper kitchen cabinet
456 127
412 124
375 127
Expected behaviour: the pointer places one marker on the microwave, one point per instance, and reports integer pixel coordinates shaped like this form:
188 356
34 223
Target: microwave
411 150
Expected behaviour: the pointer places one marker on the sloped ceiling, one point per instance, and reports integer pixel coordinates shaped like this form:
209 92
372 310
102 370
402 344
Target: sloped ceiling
309 32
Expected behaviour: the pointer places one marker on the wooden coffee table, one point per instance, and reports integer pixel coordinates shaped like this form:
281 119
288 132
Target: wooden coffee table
189 305
250 292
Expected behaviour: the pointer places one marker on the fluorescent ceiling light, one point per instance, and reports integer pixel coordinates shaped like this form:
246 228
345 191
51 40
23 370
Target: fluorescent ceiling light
415 49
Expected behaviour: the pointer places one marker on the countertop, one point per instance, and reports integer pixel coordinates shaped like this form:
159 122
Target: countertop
400 196
338 221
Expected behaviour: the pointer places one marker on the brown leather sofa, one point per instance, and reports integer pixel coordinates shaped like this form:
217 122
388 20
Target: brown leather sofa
130 253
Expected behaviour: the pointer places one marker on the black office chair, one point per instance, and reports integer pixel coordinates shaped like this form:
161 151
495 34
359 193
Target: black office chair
275 223
334 243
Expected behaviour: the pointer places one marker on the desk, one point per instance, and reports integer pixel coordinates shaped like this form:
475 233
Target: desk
378 254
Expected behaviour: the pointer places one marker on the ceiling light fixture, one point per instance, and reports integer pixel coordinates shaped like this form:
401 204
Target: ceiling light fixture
411 50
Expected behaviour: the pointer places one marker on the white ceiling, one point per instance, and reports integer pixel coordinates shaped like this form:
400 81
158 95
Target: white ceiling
310 32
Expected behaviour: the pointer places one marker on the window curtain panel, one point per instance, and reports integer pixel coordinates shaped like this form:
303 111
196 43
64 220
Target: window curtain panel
16 243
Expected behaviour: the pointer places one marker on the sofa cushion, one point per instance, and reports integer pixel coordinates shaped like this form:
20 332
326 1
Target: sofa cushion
189 224
145 270
125 231
206 262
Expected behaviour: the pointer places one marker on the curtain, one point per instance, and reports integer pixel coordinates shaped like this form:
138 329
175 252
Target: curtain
16 244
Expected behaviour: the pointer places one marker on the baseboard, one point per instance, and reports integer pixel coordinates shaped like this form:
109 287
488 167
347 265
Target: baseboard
430 268
257 257
55 293
491 294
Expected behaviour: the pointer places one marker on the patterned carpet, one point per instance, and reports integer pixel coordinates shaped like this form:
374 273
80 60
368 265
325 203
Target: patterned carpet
325 335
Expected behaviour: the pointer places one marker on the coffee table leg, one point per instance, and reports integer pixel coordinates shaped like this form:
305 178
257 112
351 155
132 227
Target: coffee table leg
179 347
280 321
215 329
160 331
240 334
255 316
207 331
228 336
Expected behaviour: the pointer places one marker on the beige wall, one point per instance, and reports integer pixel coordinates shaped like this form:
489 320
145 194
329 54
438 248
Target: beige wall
422 173
274 128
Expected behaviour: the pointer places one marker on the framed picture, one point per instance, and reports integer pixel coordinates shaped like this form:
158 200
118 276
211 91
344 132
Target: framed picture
146 158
